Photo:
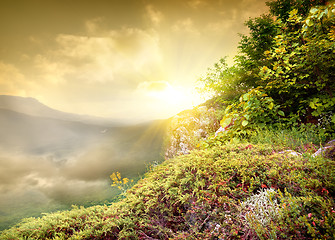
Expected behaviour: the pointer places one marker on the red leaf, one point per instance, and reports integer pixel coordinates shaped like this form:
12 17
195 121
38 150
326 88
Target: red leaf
263 186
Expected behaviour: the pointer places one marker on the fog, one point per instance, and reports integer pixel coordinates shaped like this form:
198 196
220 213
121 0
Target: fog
67 177
43 171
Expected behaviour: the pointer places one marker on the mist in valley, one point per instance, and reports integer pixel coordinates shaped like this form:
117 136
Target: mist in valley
49 164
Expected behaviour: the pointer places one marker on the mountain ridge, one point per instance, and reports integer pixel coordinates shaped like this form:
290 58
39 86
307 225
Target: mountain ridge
29 133
32 106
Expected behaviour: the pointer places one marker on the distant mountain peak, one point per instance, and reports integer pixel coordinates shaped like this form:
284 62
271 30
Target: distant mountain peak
31 106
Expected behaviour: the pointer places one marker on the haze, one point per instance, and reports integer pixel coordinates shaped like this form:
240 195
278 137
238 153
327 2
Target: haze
127 60
50 160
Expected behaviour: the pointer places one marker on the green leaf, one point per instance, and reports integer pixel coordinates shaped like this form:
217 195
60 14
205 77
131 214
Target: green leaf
312 105
320 15
271 105
245 123
333 118
225 122
309 23
281 113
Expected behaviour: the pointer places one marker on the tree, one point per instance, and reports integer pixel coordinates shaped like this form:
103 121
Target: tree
282 8
302 74
262 32
222 81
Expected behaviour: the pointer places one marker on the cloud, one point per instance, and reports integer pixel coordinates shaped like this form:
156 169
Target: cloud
12 81
19 172
226 24
106 57
93 25
100 68
197 3
185 25
59 179
155 16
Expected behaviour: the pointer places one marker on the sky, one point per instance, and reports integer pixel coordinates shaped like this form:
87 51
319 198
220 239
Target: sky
130 60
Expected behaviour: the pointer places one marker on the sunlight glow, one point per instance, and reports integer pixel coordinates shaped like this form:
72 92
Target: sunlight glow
176 98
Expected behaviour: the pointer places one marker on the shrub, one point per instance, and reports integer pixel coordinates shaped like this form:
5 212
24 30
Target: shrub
198 196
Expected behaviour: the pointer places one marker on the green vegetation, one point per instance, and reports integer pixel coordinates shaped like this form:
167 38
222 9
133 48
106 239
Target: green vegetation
242 165
209 193
290 59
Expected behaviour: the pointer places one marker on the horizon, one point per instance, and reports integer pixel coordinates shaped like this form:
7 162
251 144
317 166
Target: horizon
119 122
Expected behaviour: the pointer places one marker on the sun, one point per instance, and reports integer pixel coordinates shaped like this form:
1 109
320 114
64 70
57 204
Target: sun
176 97
163 99
170 95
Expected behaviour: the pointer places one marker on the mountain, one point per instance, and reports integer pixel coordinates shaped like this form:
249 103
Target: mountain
33 107
38 135
30 127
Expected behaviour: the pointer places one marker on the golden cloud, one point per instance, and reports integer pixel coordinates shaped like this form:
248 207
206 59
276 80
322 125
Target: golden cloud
12 81
155 16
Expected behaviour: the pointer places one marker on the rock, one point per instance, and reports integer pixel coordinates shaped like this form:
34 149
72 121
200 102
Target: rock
328 151
291 152
220 130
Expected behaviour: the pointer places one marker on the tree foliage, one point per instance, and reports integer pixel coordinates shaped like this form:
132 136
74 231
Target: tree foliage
301 76
261 38
223 81
282 8
253 110
289 53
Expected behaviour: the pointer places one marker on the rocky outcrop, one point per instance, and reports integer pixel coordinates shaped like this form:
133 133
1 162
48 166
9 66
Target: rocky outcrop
327 151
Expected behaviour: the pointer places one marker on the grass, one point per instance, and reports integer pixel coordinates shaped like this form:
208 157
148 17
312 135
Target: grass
306 138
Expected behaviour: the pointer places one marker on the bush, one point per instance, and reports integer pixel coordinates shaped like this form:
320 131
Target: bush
254 110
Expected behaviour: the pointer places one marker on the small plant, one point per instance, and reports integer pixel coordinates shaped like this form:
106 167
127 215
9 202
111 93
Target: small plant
121 183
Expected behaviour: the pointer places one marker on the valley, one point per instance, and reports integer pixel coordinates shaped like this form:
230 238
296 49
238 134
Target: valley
51 163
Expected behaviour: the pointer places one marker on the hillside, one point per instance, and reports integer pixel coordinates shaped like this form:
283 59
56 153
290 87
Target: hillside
232 191
270 186
254 162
